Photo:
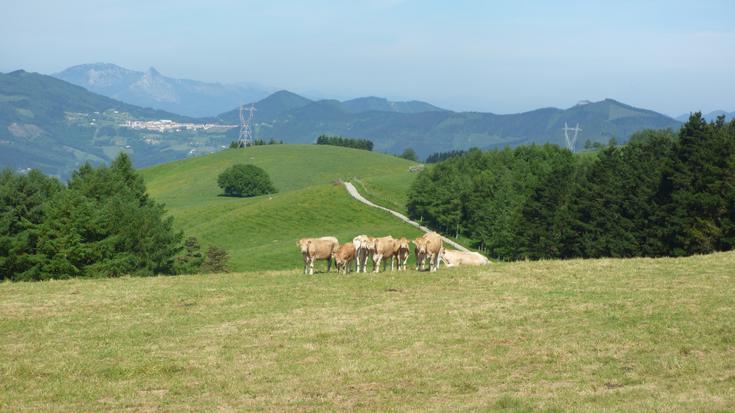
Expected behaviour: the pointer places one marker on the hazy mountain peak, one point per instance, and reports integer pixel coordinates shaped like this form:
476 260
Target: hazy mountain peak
153 89
373 103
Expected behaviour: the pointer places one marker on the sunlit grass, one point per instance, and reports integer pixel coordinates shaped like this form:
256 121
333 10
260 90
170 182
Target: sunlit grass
580 335
261 233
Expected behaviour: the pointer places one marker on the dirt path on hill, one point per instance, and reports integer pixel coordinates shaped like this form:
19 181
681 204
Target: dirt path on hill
353 192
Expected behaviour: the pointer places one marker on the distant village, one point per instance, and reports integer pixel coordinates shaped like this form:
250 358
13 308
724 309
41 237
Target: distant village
167 125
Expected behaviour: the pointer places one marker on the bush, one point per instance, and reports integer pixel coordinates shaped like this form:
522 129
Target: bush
217 260
245 180
191 261
409 154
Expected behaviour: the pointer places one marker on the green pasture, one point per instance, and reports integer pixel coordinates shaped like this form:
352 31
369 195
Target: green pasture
644 335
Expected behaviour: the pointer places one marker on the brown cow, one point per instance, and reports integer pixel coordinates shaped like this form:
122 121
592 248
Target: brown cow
428 248
384 247
433 249
317 249
420 251
403 249
344 256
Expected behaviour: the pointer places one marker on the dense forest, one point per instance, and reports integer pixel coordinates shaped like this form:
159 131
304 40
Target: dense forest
661 194
102 223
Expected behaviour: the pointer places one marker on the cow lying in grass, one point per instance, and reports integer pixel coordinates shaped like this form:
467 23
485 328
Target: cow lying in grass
317 249
453 258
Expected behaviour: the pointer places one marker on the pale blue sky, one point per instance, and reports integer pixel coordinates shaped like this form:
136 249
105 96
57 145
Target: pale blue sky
502 57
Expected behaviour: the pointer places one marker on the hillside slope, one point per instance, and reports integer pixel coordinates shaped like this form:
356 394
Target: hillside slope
642 335
55 126
261 233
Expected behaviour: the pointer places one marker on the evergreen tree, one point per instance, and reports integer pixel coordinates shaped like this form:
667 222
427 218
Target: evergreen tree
545 228
22 211
696 187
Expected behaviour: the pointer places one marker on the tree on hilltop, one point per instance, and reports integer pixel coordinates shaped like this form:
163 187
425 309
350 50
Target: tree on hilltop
245 181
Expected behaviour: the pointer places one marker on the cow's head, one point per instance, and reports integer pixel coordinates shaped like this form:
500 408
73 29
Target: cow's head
303 245
420 244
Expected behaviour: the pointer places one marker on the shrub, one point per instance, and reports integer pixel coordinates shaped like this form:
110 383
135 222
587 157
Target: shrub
409 154
245 180
191 261
216 261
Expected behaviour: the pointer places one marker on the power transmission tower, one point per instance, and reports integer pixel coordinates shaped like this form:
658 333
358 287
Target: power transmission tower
246 134
571 142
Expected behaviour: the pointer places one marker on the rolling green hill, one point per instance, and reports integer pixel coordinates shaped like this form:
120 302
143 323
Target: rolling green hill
260 233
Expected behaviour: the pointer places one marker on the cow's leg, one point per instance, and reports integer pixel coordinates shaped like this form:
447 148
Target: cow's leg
376 262
357 254
311 266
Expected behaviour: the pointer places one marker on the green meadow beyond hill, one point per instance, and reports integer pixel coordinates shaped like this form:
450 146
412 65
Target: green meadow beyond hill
260 233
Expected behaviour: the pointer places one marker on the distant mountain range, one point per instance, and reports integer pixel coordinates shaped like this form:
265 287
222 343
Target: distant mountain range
152 89
709 116
55 125
395 126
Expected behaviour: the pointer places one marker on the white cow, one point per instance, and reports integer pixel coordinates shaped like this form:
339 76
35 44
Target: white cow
361 243
454 258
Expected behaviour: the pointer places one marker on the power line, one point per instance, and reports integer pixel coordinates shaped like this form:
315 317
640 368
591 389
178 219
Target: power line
246 133
571 142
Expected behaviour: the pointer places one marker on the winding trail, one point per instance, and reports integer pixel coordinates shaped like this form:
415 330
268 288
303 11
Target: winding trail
353 192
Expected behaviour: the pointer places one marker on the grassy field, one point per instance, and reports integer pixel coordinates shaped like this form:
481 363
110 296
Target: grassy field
389 191
260 233
580 335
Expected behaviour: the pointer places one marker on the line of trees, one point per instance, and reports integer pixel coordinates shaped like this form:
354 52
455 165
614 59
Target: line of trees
443 156
102 223
346 142
661 194
255 142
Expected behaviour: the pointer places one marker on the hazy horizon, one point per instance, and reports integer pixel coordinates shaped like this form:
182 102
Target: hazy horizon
672 57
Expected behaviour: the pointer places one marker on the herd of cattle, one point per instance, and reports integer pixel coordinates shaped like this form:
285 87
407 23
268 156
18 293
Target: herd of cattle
427 248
